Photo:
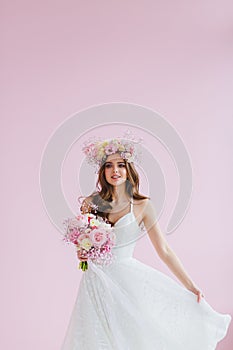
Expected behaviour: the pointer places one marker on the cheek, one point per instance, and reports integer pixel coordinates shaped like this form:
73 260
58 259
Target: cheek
124 172
106 172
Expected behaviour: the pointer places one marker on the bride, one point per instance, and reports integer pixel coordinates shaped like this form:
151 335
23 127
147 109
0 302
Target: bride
113 177
130 305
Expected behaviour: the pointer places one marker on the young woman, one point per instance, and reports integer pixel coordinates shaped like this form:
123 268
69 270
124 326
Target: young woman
128 305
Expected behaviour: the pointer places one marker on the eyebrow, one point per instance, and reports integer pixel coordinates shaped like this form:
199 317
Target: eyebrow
117 162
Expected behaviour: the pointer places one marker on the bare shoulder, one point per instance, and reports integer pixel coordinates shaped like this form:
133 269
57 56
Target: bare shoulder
141 208
142 203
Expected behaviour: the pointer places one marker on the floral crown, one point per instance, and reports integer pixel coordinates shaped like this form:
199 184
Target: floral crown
97 150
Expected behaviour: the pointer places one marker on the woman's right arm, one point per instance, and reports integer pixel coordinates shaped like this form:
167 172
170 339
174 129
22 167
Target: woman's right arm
165 252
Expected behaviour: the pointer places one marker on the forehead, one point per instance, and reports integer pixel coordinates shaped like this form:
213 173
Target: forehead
114 158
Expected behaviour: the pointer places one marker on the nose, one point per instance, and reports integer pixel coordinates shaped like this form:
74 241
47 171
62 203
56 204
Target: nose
115 169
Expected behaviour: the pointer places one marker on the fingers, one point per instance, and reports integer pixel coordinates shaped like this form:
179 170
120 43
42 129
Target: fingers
199 296
81 255
82 258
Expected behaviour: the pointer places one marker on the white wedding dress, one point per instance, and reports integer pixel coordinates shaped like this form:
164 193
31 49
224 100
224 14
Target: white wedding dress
129 305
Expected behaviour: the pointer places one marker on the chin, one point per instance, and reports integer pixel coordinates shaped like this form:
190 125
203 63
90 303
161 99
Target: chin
113 183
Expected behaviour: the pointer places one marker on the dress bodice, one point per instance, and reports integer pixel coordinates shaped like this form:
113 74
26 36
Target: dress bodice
127 231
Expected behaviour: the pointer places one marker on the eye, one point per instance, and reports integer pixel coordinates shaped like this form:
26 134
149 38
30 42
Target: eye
108 165
122 165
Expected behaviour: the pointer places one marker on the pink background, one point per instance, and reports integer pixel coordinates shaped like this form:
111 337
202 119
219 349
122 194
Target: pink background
59 57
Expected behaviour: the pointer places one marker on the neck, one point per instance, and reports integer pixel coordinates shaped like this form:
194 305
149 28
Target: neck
119 194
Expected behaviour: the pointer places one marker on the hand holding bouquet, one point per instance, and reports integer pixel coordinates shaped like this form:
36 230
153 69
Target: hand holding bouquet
93 238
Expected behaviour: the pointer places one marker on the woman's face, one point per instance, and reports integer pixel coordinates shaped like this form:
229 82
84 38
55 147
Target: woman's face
115 170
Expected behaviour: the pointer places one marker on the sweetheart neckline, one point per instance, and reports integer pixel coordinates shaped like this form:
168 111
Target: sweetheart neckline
131 212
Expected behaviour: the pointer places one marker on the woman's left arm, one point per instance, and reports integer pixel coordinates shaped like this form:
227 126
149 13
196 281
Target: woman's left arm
165 252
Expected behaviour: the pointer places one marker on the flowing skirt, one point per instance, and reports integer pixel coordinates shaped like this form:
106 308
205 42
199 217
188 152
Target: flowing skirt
129 305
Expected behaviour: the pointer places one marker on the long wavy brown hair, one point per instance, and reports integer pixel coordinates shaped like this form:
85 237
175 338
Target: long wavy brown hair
98 202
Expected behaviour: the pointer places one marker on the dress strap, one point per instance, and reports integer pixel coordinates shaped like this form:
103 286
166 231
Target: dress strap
131 205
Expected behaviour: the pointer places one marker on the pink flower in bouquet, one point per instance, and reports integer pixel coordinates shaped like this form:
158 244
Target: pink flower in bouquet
98 236
81 220
74 224
111 238
73 237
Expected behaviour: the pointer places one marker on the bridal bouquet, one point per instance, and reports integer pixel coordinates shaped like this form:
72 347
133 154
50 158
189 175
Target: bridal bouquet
92 236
